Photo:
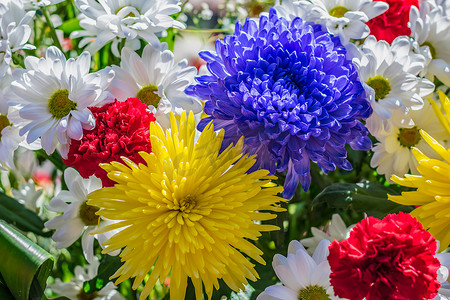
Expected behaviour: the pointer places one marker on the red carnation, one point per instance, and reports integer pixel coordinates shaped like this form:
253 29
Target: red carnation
393 258
394 22
121 129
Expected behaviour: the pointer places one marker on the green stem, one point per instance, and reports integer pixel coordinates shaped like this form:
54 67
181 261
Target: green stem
70 9
121 45
55 159
18 60
52 28
205 30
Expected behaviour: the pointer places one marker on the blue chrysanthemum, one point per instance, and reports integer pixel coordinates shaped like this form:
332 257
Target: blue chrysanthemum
290 91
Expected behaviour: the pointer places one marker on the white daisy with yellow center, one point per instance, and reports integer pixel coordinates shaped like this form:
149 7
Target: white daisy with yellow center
302 276
157 80
389 76
344 18
430 28
77 218
54 95
393 154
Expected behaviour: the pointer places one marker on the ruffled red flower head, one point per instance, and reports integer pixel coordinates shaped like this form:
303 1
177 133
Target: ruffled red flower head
121 129
394 22
393 258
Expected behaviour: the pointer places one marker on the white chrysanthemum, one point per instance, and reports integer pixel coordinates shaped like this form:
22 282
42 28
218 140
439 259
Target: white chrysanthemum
36 4
393 155
55 94
389 76
291 9
443 276
28 195
302 276
78 218
156 80
125 19
9 132
430 28
344 18
337 230
74 288
92 33
14 31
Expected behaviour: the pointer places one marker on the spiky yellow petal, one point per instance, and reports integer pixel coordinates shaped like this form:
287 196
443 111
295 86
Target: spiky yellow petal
433 185
189 212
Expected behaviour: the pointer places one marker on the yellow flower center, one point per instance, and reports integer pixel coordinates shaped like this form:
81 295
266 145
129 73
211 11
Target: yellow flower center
4 122
130 14
338 11
87 214
313 292
408 137
187 204
149 95
431 47
82 295
60 105
380 85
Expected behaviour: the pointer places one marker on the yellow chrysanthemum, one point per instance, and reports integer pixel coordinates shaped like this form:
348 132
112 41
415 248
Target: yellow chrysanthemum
189 213
433 186
445 103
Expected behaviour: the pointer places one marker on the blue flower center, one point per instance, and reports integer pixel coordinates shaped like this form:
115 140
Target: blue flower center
288 88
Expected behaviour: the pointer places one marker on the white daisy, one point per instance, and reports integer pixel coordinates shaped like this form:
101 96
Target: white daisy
156 80
337 230
389 76
443 276
291 9
28 195
78 218
126 19
392 155
55 94
36 4
74 288
344 18
14 31
92 33
9 128
302 276
25 162
430 28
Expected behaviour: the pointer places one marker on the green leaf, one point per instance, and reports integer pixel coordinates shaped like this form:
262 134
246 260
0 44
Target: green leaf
369 197
5 293
25 266
70 26
16 214
108 266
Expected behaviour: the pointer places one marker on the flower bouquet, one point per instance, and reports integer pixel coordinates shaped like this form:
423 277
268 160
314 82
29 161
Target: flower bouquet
165 149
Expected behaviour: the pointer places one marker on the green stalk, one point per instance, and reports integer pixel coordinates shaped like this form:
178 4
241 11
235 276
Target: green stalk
52 28
55 159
